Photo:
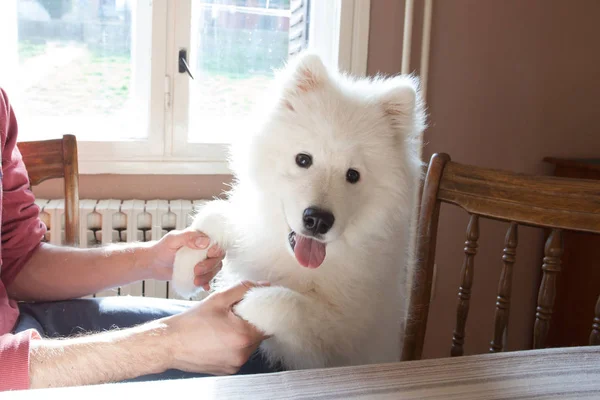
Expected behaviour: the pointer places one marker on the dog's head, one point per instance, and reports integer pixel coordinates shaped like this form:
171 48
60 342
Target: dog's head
335 153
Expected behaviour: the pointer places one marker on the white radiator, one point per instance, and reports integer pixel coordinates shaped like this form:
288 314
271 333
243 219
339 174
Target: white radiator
113 221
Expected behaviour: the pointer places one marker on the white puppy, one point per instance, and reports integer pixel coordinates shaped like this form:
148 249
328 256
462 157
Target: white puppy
321 206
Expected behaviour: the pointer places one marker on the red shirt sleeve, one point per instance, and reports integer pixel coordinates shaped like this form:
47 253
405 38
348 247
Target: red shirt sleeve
21 234
22 229
14 360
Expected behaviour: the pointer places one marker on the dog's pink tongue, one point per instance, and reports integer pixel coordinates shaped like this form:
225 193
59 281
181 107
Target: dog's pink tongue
309 253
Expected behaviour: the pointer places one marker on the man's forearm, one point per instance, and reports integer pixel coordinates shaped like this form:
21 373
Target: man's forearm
57 273
100 358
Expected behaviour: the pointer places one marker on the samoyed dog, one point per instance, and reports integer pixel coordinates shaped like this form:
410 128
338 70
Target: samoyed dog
321 206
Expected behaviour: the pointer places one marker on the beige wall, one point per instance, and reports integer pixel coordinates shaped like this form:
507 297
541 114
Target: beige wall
143 187
510 82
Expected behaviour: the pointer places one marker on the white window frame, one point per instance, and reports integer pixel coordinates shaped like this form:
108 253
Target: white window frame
164 151
125 156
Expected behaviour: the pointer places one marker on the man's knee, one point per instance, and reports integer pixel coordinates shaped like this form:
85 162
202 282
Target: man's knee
71 317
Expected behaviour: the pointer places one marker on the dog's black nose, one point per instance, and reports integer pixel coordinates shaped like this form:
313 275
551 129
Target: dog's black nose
317 221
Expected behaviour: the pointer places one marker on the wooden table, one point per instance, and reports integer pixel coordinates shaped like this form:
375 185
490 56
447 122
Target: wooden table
569 373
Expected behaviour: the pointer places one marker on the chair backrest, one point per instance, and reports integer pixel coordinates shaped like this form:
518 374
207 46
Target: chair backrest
552 203
52 159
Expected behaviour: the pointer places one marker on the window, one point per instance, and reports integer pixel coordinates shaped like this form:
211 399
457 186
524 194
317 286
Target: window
111 72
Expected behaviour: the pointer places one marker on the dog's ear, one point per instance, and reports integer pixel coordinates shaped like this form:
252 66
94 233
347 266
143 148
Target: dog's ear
303 74
399 100
401 103
307 73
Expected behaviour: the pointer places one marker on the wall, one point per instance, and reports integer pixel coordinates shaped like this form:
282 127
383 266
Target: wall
510 82
144 187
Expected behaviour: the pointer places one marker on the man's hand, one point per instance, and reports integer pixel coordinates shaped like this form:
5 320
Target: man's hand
207 338
210 337
160 256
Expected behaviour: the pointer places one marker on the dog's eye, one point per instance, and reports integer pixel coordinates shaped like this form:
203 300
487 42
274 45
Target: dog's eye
352 175
303 160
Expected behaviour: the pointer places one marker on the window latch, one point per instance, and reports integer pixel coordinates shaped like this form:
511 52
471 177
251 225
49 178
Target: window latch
183 65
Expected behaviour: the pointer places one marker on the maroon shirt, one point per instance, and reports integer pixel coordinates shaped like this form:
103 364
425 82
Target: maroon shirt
21 232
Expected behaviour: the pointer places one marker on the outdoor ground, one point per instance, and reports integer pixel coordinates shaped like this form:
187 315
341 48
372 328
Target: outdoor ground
82 87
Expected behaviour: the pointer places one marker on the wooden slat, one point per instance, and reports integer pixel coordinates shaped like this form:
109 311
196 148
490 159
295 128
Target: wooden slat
464 292
43 159
52 159
418 311
547 292
71 190
553 203
595 335
504 288
540 201
298 29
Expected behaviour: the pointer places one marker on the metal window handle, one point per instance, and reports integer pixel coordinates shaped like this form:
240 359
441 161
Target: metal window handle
183 65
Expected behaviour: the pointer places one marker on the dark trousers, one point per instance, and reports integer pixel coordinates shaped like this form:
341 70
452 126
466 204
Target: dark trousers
72 317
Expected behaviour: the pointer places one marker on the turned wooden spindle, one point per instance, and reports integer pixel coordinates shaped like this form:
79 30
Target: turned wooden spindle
595 335
464 292
504 288
551 267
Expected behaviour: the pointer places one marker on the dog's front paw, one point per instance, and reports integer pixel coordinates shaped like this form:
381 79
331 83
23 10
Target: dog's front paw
273 310
183 271
291 321
212 220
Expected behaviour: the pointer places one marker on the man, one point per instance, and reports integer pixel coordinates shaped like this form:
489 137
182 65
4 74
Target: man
49 336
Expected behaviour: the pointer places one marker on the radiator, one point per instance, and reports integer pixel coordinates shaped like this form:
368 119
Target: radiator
103 222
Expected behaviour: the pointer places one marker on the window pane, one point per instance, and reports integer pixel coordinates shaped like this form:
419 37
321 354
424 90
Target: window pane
80 67
235 46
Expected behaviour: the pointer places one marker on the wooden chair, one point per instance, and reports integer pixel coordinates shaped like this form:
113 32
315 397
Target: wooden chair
51 159
550 203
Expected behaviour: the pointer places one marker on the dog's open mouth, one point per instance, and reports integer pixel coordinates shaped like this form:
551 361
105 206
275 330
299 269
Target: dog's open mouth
309 252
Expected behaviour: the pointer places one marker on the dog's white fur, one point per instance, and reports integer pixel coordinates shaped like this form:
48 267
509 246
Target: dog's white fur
351 309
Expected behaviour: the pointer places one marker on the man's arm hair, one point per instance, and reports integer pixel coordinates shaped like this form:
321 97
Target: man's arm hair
101 357
61 272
